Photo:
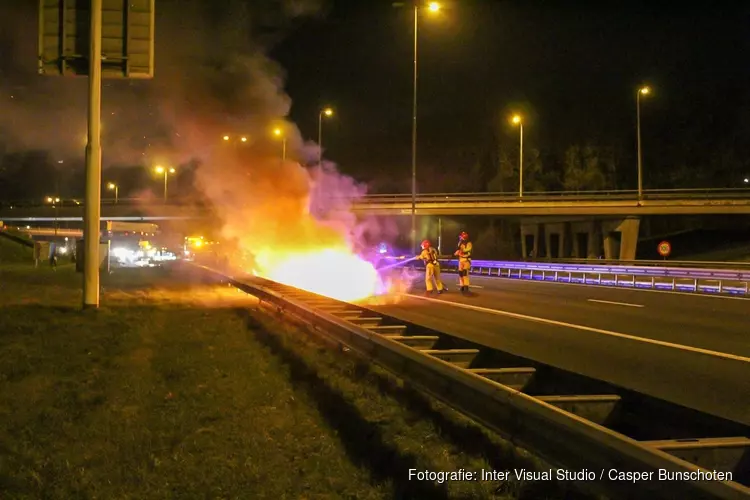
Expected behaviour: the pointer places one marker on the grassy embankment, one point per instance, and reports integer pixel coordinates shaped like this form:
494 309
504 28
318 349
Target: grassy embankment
180 389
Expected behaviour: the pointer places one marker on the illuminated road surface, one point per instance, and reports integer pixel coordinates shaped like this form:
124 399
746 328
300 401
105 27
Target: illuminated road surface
607 333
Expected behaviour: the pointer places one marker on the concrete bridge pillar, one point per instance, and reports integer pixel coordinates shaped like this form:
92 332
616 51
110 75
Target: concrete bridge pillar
559 229
629 237
593 245
585 239
530 229
624 247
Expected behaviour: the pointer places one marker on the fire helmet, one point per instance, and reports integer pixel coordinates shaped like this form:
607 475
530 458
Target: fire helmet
425 244
463 236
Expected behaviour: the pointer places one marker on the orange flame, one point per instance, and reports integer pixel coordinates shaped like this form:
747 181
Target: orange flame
333 272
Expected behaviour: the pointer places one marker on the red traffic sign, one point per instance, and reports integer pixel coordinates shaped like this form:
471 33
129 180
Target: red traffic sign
664 248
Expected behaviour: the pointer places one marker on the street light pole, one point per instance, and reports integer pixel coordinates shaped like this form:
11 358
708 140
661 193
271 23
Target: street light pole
414 140
327 112
280 133
116 189
433 7
320 138
644 91
92 205
166 172
520 163
518 121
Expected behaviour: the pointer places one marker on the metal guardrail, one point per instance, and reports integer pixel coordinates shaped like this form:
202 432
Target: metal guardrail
529 421
695 279
697 264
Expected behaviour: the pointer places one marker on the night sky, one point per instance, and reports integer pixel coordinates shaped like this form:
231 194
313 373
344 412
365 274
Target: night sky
572 69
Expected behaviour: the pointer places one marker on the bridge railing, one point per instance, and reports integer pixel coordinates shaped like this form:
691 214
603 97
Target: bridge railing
540 196
627 195
703 277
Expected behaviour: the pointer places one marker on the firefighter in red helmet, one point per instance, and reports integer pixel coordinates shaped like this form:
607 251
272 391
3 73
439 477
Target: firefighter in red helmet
429 256
464 261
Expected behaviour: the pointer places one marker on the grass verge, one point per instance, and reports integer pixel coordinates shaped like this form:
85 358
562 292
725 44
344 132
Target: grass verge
14 252
176 388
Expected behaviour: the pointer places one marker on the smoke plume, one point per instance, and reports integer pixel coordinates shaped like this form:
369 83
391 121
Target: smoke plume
214 85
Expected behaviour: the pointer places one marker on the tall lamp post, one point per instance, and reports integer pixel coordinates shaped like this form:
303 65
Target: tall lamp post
518 121
166 172
431 7
54 200
113 186
280 133
641 91
323 112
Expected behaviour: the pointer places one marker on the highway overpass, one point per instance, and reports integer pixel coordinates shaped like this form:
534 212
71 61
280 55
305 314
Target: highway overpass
604 203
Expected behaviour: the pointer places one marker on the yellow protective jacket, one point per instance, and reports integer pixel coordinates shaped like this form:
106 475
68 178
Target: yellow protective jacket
429 256
464 250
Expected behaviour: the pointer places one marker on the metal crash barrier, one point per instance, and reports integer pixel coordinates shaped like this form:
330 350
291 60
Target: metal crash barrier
563 438
689 279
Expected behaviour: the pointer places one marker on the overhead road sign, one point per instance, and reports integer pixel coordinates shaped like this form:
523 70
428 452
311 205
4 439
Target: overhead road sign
127 38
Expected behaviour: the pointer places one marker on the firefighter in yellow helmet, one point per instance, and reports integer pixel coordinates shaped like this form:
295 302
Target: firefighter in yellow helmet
464 261
431 268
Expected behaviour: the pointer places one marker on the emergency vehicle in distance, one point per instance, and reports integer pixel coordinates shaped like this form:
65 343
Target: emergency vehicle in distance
199 248
137 244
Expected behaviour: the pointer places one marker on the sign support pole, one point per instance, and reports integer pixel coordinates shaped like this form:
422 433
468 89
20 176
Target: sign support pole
92 205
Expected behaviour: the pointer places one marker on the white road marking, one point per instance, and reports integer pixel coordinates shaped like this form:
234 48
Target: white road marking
611 287
698 350
615 303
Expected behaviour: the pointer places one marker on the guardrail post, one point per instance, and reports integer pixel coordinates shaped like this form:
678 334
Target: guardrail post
695 285
721 286
599 280
531 275
653 282
616 282
544 275
674 284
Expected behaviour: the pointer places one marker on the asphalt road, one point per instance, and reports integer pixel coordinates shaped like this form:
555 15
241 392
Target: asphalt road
687 349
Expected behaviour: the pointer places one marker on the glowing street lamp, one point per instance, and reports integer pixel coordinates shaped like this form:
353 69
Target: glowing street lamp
323 112
54 200
432 7
228 138
115 187
517 120
280 133
641 91
166 171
